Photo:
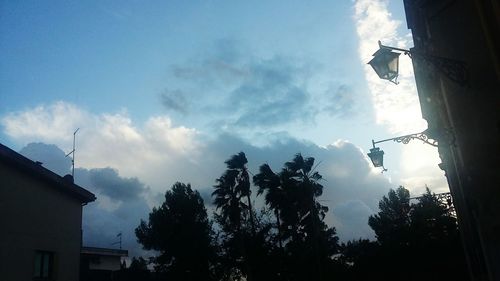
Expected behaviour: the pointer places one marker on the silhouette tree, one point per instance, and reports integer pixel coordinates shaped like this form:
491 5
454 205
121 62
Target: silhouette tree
392 223
231 190
237 163
435 240
423 234
292 195
431 220
359 252
272 184
180 231
138 264
231 187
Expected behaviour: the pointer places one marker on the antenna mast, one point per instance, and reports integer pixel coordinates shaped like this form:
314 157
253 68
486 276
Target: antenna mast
119 241
72 152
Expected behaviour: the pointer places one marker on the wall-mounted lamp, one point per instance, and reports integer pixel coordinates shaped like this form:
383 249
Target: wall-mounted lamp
377 155
385 62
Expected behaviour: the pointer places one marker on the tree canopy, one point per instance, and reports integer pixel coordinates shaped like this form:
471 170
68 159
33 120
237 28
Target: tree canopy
288 239
421 233
180 231
306 242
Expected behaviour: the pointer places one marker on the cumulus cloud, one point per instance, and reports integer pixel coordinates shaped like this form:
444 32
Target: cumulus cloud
51 157
108 182
49 123
353 220
347 174
130 166
103 139
121 202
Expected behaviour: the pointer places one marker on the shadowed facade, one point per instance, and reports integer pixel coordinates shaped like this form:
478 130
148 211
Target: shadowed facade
464 114
41 218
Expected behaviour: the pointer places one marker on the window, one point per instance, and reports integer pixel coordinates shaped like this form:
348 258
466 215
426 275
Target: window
44 263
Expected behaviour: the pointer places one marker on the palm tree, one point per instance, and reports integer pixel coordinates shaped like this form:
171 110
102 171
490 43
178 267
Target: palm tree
228 199
275 197
311 227
231 187
305 188
236 168
291 194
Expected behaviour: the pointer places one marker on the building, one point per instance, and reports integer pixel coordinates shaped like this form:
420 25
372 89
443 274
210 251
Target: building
100 263
459 92
41 221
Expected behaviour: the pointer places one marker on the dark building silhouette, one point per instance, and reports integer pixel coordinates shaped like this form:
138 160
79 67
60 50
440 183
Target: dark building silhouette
100 263
40 221
463 113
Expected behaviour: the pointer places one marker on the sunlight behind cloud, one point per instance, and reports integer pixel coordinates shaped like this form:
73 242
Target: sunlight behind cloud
396 106
422 162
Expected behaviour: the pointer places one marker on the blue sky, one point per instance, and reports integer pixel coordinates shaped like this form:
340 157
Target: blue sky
167 90
107 56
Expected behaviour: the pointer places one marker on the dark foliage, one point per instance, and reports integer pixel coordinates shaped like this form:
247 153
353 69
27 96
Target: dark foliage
417 239
180 231
306 244
138 265
242 236
420 241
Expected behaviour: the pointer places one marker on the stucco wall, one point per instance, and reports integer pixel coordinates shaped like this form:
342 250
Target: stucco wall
35 216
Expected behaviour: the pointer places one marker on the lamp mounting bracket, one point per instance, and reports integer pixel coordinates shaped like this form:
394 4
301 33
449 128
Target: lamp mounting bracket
420 136
455 70
407 138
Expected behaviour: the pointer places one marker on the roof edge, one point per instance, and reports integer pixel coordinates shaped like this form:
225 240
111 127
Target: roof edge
104 251
37 170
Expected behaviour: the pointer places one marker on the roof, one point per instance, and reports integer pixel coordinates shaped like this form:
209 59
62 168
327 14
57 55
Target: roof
64 184
104 251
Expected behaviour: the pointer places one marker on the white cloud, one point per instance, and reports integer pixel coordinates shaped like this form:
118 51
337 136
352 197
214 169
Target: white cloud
54 123
422 168
396 106
354 222
105 140
158 154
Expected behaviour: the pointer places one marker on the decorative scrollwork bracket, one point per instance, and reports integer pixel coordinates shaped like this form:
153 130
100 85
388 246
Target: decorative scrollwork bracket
454 70
428 136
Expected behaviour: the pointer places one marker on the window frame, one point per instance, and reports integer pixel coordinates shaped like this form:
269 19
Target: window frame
43 265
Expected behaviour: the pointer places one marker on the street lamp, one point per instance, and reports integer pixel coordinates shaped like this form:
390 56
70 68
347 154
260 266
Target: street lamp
377 155
385 62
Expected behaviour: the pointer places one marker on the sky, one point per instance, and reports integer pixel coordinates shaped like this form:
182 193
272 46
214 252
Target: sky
166 91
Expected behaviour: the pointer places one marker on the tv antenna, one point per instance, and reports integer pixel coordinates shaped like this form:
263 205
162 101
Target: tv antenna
72 153
119 241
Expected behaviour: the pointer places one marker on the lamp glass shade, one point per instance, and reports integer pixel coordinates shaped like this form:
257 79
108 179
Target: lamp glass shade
386 64
377 157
